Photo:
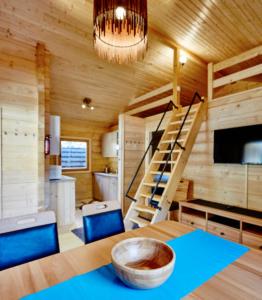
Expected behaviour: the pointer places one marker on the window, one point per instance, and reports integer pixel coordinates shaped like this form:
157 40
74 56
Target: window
75 155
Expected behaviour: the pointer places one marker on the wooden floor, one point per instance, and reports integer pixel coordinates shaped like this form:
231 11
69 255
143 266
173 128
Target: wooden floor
67 239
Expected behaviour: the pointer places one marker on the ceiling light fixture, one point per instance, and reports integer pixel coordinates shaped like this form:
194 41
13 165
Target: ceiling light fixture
120 29
120 13
182 57
87 104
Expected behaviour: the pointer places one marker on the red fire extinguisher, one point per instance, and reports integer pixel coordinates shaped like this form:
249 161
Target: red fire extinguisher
47 144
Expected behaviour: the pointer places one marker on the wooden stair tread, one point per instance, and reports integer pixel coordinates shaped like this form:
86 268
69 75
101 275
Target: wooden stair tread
168 151
192 111
180 122
159 172
148 195
171 141
177 131
139 221
153 184
145 208
171 162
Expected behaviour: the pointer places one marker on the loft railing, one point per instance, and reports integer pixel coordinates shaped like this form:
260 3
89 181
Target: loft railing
170 104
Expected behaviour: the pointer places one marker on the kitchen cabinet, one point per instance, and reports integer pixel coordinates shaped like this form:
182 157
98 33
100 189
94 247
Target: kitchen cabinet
62 200
105 187
110 144
233 223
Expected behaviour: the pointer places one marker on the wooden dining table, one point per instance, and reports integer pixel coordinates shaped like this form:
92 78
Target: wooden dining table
240 280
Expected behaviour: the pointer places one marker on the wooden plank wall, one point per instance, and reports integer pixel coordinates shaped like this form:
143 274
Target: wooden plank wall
94 131
19 135
226 183
43 86
132 148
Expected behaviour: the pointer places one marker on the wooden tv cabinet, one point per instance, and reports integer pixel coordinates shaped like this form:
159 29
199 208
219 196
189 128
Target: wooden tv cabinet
233 223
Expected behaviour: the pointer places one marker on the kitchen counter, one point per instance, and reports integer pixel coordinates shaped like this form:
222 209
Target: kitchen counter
106 174
64 178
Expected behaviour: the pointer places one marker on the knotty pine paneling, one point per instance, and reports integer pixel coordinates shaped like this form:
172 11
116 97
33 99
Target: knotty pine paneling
132 148
43 82
226 183
20 145
214 30
89 130
77 72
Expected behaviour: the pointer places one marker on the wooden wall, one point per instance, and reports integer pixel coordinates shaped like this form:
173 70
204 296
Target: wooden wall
91 130
113 164
226 183
19 133
43 86
132 148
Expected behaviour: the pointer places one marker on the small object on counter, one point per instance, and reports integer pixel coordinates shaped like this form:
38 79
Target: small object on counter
107 169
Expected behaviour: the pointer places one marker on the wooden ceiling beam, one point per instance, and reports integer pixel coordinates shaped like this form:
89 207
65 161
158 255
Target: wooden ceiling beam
176 79
252 53
172 44
149 106
151 94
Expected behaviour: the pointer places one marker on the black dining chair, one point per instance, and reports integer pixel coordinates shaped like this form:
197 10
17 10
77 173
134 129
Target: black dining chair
26 238
102 220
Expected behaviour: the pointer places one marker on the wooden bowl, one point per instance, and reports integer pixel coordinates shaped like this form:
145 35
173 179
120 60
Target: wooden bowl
143 263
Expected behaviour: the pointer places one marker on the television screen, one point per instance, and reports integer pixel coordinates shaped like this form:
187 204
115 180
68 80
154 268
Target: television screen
241 145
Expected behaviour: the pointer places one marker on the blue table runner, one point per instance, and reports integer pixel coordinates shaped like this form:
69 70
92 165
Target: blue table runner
199 256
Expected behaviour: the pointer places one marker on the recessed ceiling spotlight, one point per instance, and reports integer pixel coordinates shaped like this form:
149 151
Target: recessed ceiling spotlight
87 104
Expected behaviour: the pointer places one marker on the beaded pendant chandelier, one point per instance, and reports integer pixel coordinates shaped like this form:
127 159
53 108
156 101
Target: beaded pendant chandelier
120 30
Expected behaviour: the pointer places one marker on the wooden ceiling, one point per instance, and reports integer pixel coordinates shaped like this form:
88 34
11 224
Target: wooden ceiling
212 29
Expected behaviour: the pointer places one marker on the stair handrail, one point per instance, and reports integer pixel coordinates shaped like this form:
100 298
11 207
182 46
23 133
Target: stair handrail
196 95
170 104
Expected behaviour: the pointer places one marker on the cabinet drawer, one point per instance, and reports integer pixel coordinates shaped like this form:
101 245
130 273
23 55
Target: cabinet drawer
224 231
252 240
194 221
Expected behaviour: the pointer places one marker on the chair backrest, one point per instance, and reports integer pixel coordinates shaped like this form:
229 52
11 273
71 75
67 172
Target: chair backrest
102 220
26 238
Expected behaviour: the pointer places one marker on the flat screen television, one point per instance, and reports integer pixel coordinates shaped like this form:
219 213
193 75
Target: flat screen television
241 145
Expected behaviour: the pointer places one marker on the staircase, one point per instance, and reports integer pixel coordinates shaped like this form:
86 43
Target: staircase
157 189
